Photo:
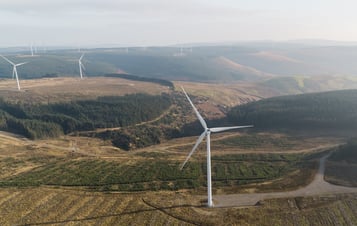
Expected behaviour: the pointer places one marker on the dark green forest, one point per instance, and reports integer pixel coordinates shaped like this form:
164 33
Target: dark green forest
51 120
329 111
346 153
342 165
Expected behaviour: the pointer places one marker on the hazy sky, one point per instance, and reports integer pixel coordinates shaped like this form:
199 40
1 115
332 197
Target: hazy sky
162 22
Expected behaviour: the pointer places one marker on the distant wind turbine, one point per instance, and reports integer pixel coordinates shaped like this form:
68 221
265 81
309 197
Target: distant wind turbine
207 133
14 70
81 66
31 49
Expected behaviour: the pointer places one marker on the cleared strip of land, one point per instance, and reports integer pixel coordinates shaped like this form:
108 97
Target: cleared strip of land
317 187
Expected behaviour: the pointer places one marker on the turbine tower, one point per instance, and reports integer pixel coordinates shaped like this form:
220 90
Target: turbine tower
81 66
31 49
207 133
14 70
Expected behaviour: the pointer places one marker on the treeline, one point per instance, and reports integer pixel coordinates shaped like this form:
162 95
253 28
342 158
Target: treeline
33 129
142 79
321 111
38 121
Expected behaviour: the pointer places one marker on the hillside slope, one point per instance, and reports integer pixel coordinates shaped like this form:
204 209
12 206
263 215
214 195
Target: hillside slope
330 111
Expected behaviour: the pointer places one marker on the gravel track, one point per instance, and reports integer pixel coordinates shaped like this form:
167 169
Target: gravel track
317 187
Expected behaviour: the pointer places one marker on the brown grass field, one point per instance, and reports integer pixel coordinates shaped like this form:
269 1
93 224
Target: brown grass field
213 103
56 205
49 205
67 88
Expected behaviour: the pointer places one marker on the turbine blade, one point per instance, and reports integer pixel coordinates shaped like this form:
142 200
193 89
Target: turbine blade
7 60
82 65
221 129
21 64
81 57
199 140
200 118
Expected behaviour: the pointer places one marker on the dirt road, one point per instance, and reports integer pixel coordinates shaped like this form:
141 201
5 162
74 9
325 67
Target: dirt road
317 187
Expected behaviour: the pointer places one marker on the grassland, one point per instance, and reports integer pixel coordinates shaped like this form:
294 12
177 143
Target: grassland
48 206
146 170
48 182
64 89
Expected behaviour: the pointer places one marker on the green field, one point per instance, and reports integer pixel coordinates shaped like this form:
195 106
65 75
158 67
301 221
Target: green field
154 174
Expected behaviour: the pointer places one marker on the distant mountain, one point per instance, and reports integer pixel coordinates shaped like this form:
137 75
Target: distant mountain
322 42
253 61
308 84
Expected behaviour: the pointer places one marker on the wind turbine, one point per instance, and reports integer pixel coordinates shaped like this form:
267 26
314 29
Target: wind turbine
31 48
14 70
81 66
207 133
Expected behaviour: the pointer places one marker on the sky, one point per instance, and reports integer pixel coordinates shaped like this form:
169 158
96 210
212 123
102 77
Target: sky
169 22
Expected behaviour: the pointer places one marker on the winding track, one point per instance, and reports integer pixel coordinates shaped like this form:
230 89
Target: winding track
317 187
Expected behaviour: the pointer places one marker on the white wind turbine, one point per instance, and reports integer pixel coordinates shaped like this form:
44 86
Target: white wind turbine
14 70
81 66
31 49
207 133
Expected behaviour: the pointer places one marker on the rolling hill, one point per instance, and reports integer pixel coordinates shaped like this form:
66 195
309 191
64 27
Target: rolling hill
328 111
307 84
